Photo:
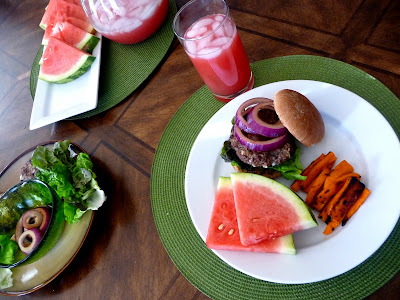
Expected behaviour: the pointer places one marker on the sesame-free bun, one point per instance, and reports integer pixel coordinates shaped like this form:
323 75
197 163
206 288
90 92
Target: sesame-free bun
299 116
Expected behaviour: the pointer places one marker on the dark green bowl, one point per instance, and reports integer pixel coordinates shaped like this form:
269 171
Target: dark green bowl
23 196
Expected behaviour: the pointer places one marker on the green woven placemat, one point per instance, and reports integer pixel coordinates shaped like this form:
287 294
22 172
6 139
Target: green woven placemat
182 242
123 67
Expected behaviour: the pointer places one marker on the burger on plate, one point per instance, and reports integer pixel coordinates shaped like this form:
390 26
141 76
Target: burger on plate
264 134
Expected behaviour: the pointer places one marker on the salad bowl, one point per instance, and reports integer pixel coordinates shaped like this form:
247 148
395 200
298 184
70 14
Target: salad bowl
26 196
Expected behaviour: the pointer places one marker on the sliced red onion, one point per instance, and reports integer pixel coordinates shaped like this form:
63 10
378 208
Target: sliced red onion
268 145
45 211
242 123
244 109
29 240
261 127
32 219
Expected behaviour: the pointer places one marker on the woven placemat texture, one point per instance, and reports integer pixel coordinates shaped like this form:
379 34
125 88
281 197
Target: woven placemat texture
123 67
200 265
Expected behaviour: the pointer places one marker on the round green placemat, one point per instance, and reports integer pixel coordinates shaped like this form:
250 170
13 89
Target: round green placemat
123 67
200 265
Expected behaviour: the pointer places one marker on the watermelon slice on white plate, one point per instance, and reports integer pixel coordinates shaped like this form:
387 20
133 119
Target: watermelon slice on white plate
71 35
62 10
55 102
62 63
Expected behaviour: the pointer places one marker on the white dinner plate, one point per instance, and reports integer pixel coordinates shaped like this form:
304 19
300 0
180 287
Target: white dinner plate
54 102
356 132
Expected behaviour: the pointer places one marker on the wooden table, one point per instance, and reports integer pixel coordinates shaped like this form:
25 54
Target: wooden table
123 257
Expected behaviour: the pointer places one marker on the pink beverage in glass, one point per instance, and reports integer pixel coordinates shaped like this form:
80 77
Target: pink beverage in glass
126 21
216 51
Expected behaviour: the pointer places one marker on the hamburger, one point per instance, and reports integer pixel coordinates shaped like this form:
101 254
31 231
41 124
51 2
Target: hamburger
265 135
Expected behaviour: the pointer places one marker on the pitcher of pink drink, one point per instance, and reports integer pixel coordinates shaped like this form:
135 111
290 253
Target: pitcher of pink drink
210 38
126 21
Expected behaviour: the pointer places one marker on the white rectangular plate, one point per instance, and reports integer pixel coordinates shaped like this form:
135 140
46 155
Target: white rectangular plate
54 102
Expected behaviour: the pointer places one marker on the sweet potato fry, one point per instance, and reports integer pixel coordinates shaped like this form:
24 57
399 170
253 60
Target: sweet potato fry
341 169
330 227
316 186
324 214
346 199
330 189
356 205
336 194
327 161
296 185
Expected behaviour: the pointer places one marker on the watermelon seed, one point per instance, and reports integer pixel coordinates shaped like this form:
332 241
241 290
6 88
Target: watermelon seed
231 232
256 220
220 227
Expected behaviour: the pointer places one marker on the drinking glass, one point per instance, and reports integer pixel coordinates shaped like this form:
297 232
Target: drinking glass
209 36
126 21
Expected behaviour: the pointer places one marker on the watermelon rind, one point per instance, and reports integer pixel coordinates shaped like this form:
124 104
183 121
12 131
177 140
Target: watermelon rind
88 43
287 244
77 70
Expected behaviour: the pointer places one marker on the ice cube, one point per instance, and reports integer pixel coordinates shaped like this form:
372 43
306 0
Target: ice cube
204 42
135 12
202 23
230 31
196 32
104 18
132 26
219 18
148 11
220 42
190 47
215 25
136 3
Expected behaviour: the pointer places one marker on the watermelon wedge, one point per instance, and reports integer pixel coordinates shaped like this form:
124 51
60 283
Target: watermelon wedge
267 209
72 35
63 63
223 232
61 10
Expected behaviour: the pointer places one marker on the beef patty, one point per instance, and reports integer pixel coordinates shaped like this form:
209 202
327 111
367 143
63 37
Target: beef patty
262 158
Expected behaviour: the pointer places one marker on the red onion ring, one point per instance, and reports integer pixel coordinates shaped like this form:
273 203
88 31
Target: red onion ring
45 211
269 145
243 124
263 128
29 240
32 219
244 109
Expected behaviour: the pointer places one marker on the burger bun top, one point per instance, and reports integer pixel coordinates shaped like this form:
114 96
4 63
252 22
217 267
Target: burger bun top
299 116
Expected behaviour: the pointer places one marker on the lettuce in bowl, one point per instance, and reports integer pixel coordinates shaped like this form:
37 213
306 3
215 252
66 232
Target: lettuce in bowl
71 176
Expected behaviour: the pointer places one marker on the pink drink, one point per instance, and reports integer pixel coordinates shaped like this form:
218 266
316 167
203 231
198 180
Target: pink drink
127 21
217 53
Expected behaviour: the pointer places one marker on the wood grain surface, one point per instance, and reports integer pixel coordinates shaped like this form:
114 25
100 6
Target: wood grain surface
123 257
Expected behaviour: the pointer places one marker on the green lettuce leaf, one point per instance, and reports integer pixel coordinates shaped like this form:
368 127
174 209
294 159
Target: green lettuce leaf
290 170
6 280
8 249
72 178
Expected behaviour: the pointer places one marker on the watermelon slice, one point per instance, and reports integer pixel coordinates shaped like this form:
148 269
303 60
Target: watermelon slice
267 209
63 63
223 232
72 35
61 10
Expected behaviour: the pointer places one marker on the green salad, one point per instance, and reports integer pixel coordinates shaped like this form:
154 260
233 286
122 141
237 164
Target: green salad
71 176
